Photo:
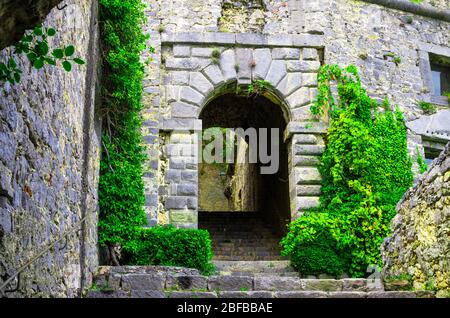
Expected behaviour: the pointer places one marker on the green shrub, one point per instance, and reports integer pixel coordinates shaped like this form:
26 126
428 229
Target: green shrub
311 247
170 246
366 169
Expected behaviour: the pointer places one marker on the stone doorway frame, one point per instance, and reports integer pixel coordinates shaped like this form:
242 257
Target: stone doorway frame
189 78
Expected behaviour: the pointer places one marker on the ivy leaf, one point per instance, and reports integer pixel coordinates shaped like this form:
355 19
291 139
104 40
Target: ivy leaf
50 61
17 77
32 56
12 63
42 48
78 61
27 38
67 66
68 51
38 63
58 53
51 32
37 31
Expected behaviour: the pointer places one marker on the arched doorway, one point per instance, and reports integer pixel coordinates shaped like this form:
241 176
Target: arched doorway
245 209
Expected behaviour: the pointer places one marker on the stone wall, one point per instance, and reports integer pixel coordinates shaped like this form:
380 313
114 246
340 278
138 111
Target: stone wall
49 157
390 48
420 245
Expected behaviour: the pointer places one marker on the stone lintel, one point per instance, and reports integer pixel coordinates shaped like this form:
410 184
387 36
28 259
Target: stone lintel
244 39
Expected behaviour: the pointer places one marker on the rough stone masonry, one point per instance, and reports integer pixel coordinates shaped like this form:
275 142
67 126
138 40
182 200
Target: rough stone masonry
49 146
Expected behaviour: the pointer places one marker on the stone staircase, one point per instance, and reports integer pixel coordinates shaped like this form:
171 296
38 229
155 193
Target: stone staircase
234 279
240 236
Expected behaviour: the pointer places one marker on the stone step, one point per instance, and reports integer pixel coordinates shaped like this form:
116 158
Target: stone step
257 294
254 266
234 279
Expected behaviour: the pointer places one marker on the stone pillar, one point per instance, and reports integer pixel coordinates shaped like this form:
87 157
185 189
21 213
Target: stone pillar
179 173
306 144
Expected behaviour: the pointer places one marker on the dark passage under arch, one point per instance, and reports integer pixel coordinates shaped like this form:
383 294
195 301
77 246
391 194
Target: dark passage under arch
245 211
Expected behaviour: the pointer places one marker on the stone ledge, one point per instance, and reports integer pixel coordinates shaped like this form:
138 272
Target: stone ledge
296 127
245 39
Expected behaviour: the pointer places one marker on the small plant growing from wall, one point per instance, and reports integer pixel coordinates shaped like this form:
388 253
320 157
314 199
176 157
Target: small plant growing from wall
428 108
161 28
36 48
237 67
257 87
215 56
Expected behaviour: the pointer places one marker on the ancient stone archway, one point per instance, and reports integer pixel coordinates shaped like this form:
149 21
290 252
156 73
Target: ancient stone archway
196 69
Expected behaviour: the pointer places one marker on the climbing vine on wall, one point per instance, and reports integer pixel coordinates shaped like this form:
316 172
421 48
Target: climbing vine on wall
121 189
34 45
366 169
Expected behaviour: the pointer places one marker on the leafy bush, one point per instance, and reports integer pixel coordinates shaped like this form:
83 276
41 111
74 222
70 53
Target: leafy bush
121 189
311 247
366 169
170 246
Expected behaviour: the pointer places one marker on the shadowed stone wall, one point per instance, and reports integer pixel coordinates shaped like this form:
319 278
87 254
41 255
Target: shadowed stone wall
420 245
49 160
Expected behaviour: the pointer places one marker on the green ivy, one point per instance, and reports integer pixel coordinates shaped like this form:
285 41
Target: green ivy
121 189
36 48
366 169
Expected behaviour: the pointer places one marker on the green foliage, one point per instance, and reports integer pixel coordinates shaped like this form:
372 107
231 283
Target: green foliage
35 47
121 189
428 108
170 246
311 247
365 168
257 87
421 162
215 54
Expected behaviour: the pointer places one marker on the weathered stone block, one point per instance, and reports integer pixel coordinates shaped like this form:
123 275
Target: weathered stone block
181 216
228 64
276 283
347 294
187 189
178 294
229 283
202 51
200 83
175 202
181 64
299 98
309 149
323 284
179 77
310 54
290 83
214 74
306 161
308 40
308 190
191 96
303 66
147 294
309 79
181 51
143 282
185 282
244 58
308 175
251 39
285 54
306 203
300 294
183 110
262 58
354 284
276 72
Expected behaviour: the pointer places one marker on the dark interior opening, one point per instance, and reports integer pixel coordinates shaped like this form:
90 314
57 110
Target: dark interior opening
251 225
